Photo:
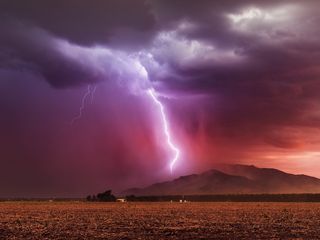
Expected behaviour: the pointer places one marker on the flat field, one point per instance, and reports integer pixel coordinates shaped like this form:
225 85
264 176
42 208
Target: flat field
81 220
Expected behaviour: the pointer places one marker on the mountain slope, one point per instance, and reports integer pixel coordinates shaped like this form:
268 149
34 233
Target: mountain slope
273 180
233 179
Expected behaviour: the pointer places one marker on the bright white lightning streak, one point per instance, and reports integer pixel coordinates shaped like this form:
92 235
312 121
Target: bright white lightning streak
83 102
174 148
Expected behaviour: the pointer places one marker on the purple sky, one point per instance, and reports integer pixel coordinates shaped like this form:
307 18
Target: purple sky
240 82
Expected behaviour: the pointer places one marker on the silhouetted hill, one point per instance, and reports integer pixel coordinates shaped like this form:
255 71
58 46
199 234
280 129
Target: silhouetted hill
233 179
272 180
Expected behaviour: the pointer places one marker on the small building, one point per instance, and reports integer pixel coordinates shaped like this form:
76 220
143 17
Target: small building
121 200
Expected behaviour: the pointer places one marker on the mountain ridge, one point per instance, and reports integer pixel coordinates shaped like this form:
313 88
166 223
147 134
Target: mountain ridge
233 179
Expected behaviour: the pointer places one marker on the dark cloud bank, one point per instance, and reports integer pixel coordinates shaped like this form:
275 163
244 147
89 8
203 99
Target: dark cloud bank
240 80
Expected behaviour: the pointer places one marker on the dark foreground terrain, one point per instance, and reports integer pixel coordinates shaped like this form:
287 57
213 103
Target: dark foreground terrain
80 220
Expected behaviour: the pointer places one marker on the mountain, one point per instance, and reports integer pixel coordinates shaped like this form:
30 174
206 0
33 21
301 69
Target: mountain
233 179
272 180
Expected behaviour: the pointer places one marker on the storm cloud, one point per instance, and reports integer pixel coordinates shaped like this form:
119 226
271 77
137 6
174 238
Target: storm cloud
240 81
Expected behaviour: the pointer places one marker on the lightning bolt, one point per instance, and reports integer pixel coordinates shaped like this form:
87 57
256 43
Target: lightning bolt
83 103
151 92
92 93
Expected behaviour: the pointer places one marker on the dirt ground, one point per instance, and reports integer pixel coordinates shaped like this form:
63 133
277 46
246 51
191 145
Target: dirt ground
80 220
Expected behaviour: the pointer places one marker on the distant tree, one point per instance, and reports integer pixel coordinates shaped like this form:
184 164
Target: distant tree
89 198
106 197
94 198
